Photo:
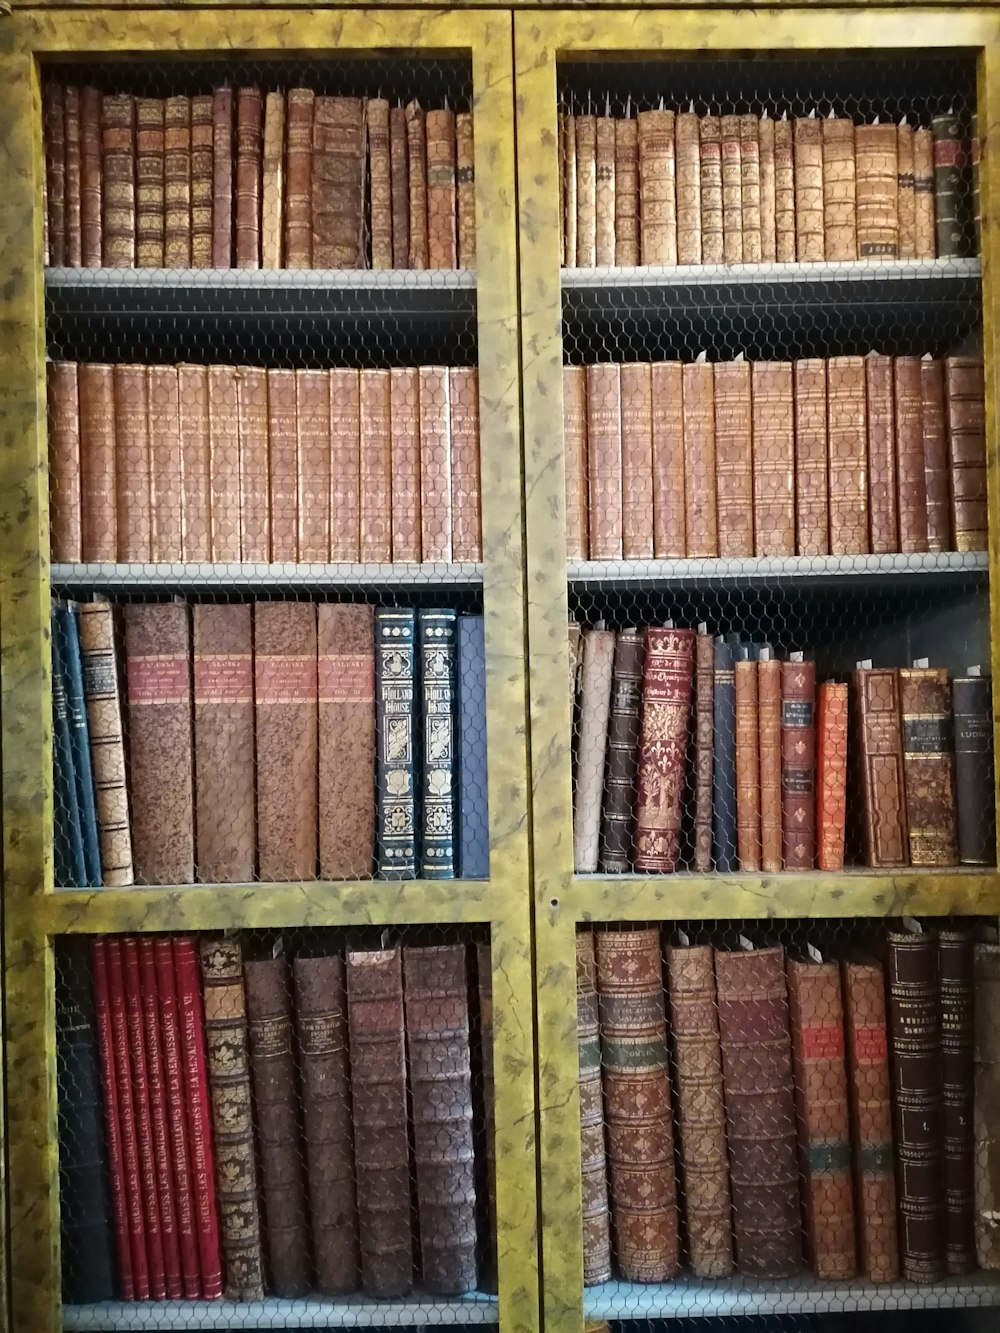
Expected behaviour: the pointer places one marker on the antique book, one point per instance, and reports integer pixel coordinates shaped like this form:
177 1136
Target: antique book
734 474
442 238
952 188
224 444
73 180
878 728
346 675
747 766
877 191
586 190
283 484
910 472
848 455
972 709
82 776
966 433
657 198
760 1111
272 194
784 191
196 457
255 518
637 1104
298 221
768 198
626 191
604 190
202 179
688 182
937 478
700 517
750 188
732 190
54 133
928 764
63 406
871 1119
222 177
604 460
166 472
314 461
132 464
349 417
704 721
694 1023
817 1021
416 147
275 1102
321 1030
769 720
575 460
812 493
91 180
338 182
107 749
669 524
118 179
379 1110
622 752
487 1118
472 825
177 182
436 670
955 971
724 759
593 1153
375 471
98 507
925 230
249 166
285 697
906 191
380 181
915 1038
592 740
666 703
637 459
773 458
157 668
224 810
712 232
466 508
434 408
396 740
986 1015
885 494
465 178
807 137
150 214
831 775
69 859
567 182
404 416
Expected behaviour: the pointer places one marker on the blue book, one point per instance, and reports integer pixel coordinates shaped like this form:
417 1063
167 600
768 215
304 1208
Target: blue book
396 743
437 787
472 817
67 837
724 757
69 644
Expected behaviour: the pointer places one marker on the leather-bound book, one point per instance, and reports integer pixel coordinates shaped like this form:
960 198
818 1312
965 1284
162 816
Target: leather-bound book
747 766
222 178
688 170
465 178
272 181
768 235
177 182
884 492
593 1154
694 1023
229 1083
54 134
122 1185
434 399
586 191
321 1028
63 401
734 475
937 480
871 1119
157 652
848 455
225 818
380 181
472 813
700 516
704 710
575 460
909 455
436 642
817 1019
724 845
604 191
416 151
442 236
346 671
637 1104
132 464
925 231
285 696
404 414
877 190
637 459
972 708
952 188
98 506
809 217
74 181
375 471
196 461
224 435
338 178
626 191
249 166
68 854
68 657
657 198
118 179
487 1119
165 464
759 1097
732 190
466 508
622 752
379 1106
298 235
831 775
928 764
750 188
915 1038
784 191
283 485
712 243
773 458
906 191
769 671
591 750
604 460
91 180
150 216
107 747
986 1051
669 524
567 180
314 459
276 1120
839 216
812 492
666 705
396 741
255 518
202 179
966 429
879 730
957 1074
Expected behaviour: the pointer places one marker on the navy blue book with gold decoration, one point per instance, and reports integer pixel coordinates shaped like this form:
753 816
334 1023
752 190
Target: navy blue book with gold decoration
437 681
79 731
67 836
472 814
396 743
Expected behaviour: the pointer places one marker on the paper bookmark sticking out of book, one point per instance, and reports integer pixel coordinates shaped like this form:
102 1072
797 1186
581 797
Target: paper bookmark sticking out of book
912 925
974 671
683 938
746 944
814 954
920 662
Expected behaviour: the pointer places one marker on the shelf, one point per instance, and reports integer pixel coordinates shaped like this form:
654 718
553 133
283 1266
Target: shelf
802 570
211 577
901 271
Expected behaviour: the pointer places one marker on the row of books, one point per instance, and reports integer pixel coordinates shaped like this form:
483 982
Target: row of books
842 1093
710 753
251 179
191 463
672 187
274 740
847 455
241 1127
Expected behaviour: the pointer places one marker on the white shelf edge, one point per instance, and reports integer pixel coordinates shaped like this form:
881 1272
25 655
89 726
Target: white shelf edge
698 275
243 279
308 1312
782 567
171 575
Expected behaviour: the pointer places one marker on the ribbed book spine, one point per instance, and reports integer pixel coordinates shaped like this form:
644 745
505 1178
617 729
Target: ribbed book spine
955 963
196 448
465 179
374 471
272 181
769 751
298 178
657 197
669 523
812 494
132 464
255 517
747 765
338 182
107 747
928 764
877 189
704 711
734 471
666 701
222 177
700 511
586 190
396 743
54 133
404 415
724 852
798 765
98 509
750 188
416 175
732 189
637 460
177 182
966 436
809 229
604 460
848 446
249 155
923 191
74 180
712 244
434 399
839 218
774 458
626 192
912 481
622 752
472 816
118 179
878 727
883 488
399 168
952 188
149 182
688 166
63 400
166 489
437 681
593 1153
442 239
935 448
91 179
202 179
604 195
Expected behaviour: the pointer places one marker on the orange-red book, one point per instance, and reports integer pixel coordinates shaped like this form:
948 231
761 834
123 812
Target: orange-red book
831 775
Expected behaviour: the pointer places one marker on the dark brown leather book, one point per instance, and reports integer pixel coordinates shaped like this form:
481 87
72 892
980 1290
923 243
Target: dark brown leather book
586 190
704 712
487 1119
877 191
769 734
225 817
222 178
196 446
883 489
847 439
784 191
760 1111
773 458
657 196
734 474
150 217
910 474
338 182
669 522
975 802
321 1027
74 179
177 182
812 491
314 425
986 981
282 430
798 765
915 1035
157 668
91 180
132 464
622 753
118 179
593 1154
298 178
637 1104
224 436
416 149
345 461
202 179
637 459
404 414
694 1022
747 766
63 403
272 190
966 427
232 1118
928 764
700 513
346 671
879 730
666 705
54 129
276 1119
831 774
957 1075
768 197
379 1103
839 212
255 518
937 480
442 235
249 167
604 460
952 188
98 504
380 181
107 747
375 468
399 171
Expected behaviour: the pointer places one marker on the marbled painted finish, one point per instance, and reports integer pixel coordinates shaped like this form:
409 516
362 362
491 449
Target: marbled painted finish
988 105
735 5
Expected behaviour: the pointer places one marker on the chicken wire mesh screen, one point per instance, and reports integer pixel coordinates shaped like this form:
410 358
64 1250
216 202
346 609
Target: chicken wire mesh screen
276 1129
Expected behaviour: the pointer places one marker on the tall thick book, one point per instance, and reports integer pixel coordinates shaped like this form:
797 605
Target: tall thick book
575 460
637 1104
149 182
379 1104
472 828
132 464
70 867
118 179
694 1022
604 460
848 455
712 234
53 124
177 182
747 766
966 433
98 509
276 1100
442 237
465 177
809 228
637 459
196 461
229 1082
374 473
817 1019
567 189
906 186
937 483
165 464
416 175
63 401
768 198
586 191
595 709
202 178
249 154
346 682
871 1119
466 506
769 673
299 106
831 775
316 422
255 518
884 494
91 179
784 191
622 752
224 445
911 477
487 1119
704 721
750 188
986 1051
669 526
734 473
436 632
282 429
65 111
955 971
923 191
879 729
877 191
724 848
952 188
272 181
404 414
839 212
396 742
626 192
321 1026
107 748
222 177
657 197
812 492
773 458
668 671
338 182
928 764
700 513
593 1153
798 765
975 804
434 399
688 173
732 189
81 770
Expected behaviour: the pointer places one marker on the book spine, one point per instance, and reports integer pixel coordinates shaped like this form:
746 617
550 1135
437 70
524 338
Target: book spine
906 192
700 515
202 179
687 147
724 833
177 182
396 743
773 458
465 178
986 1033
712 227
966 434
812 492
593 1154
925 231
957 1076
928 765
935 454
255 518
595 709
807 136
272 181
375 470
222 178
626 192
91 180
54 134
467 539
404 414
586 189
622 753
604 461
472 825
118 179
798 765
848 454
884 491
769 750
346 677
282 436
399 167
107 748
436 633
70 866
831 775
952 193
434 398
704 710
249 165
636 387
666 702
669 528
910 454
747 765
442 240
487 1118
380 181
416 149
750 188
567 180
657 197
975 805
732 190
768 197
132 464
298 178
604 191
877 185
63 402
314 460
98 508
150 207
82 771
339 163
879 728
196 447
224 438
165 464
734 474
784 192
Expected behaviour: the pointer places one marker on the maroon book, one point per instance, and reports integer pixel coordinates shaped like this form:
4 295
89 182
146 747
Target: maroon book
666 709
121 1199
798 765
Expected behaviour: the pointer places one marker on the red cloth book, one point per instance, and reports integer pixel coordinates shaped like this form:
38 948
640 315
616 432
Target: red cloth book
120 1197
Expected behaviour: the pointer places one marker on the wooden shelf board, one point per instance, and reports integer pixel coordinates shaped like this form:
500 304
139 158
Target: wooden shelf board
133 577
798 569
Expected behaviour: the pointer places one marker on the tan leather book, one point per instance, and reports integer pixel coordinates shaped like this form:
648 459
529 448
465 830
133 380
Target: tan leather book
586 191
604 460
575 461
784 192
416 145
101 686
222 177
465 179
380 181
657 198
839 217
224 810
399 168
165 464
177 182
773 458
733 457
375 543
118 179
768 198
593 1154
809 231
700 516
343 507
298 178
910 475
283 472
63 402
196 462
224 435
626 191
98 506
712 244
74 180
91 183
596 676
848 453
442 223
132 483
906 191
732 189
750 189
925 239
255 517
149 186
285 696
878 192
769 749
346 674
466 511
202 179
604 191
937 482
669 524
928 764
747 766
637 460
338 182
966 434
312 392
812 494
273 182
687 149
404 404
249 168
878 727
435 463
883 490
569 199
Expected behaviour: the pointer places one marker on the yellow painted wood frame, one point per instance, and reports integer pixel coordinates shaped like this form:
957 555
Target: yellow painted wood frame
561 899
34 913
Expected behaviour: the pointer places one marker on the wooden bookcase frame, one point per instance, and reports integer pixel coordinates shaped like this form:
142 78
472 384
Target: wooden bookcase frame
562 899
34 913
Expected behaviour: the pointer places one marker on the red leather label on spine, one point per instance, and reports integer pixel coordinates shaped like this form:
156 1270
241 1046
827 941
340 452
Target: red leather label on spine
223 679
870 1043
823 1042
285 680
347 678
158 680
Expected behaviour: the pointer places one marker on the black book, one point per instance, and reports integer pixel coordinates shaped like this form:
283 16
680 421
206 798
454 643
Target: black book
975 794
